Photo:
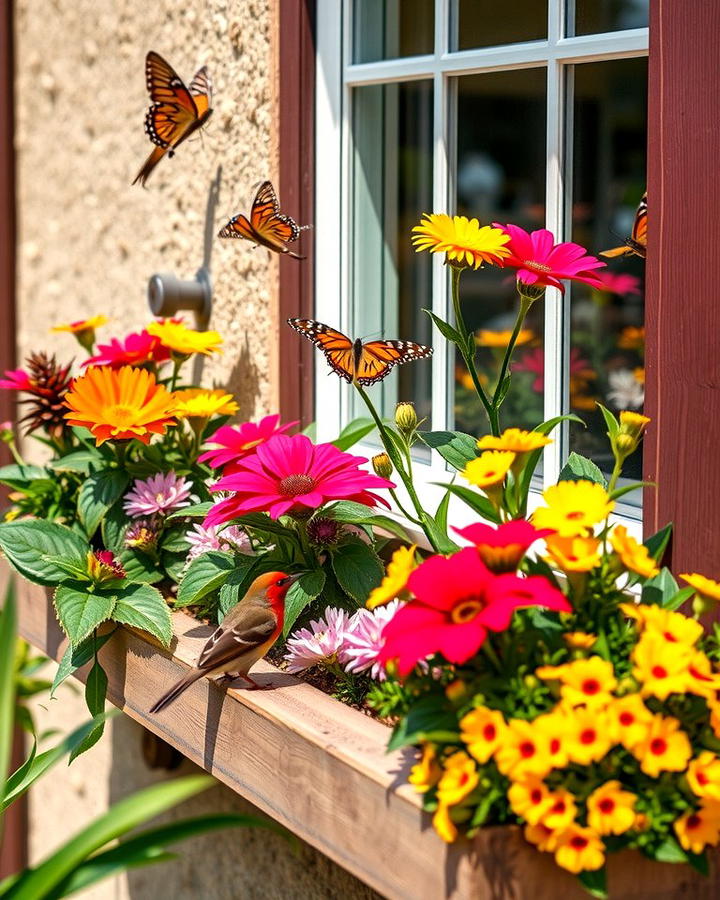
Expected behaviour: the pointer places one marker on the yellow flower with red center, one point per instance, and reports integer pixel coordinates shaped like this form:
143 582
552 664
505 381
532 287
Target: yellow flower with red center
673 626
184 341
489 469
629 720
482 730
523 751
702 680
396 577
589 682
634 556
458 779
463 241
426 773
554 727
541 836
561 812
502 338
665 748
611 810
82 325
660 667
579 640
515 440
579 850
590 736
119 404
196 403
699 828
573 554
573 508
703 776
529 798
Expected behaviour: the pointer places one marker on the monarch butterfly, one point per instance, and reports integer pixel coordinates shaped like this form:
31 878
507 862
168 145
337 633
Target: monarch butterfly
267 226
176 112
355 361
637 242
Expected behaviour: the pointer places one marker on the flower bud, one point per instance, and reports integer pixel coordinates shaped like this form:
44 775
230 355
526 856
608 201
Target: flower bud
633 424
143 535
702 605
382 465
455 690
531 682
531 292
6 432
323 530
405 417
625 444
102 566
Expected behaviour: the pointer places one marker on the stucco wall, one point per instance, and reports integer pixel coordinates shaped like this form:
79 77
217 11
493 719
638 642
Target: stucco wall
88 243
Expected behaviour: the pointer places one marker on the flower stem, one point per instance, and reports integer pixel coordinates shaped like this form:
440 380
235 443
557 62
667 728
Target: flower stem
525 304
616 472
393 494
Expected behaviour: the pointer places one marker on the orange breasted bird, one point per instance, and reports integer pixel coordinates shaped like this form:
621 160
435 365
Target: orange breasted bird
247 632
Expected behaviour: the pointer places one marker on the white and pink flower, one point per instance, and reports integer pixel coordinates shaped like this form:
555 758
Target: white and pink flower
157 495
203 540
321 643
364 640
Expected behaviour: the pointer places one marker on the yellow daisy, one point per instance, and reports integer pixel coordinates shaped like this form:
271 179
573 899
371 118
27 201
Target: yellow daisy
706 587
579 849
486 338
584 682
573 508
425 773
698 828
482 730
515 440
703 776
196 403
573 554
665 748
489 469
82 325
463 241
673 626
659 666
396 577
634 555
184 341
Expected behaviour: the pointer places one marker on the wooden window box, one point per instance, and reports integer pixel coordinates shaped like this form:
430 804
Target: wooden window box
320 768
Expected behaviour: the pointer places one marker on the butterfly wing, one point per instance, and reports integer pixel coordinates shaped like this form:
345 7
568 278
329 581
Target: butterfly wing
378 358
238 227
273 229
201 91
337 347
636 244
166 86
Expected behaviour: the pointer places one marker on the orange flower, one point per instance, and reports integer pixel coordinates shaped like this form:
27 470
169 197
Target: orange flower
119 404
589 682
580 849
698 828
666 747
703 776
541 836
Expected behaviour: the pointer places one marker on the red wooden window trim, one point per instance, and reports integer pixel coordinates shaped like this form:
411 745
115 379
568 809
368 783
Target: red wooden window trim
296 101
683 310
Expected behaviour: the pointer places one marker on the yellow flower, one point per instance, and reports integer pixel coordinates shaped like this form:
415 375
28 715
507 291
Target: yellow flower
426 773
639 374
463 241
184 341
573 554
589 682
703 776
590 737
541 836
632 338
573 508
561 812
490 468
702 680
674 627
458 780
579 850
529 798
82 325
523 751
633 423
634 556
698 828
482 730
502 338
554 728
610 809
629 720
665 748
579 640
196 403
659 666
443 824
396 577
706 587
514 440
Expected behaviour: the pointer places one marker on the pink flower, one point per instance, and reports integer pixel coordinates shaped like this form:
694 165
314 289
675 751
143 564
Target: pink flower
16 380
289 474
364 640
202 540
540 261
238 441
135 350
320 643
158 494
103 566
457 601
502 548
619 283
534 361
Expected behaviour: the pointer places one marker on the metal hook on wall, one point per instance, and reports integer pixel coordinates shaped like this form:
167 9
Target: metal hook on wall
168 295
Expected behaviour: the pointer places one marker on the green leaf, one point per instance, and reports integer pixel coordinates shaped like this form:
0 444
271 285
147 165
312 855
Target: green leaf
198 511
533 458
27 543
143 606
301 595
95 695
78 461
662 590
441 514
353 432
504 389
426 715
74 569
579 468
204 575
613 426
174 565
455 447
439 535
670 852
81 611
352 513
175 540
139 567
8 627
445 328
98 493
474 500
16 476
113 527
595 882
357 569
263 523
657 543
635 486
76 656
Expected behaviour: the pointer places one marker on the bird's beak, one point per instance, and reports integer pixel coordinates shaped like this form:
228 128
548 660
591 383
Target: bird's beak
293 578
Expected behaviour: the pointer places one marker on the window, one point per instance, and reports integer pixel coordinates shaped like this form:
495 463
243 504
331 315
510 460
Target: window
535 115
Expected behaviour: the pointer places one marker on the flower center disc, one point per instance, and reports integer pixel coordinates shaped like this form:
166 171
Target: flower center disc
122 415
466 612
294 485
536 266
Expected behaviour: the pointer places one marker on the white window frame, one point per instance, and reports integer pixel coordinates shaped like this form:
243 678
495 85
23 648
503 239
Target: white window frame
336 76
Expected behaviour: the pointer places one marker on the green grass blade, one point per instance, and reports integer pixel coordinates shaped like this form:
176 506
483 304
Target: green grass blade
7 685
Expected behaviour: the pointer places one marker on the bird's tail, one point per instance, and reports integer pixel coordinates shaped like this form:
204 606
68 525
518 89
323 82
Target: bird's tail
149 164
192 676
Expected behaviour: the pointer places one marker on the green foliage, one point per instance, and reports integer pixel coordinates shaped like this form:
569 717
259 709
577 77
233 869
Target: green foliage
301 595
357 569
81 610
28 543
98 493
205 574
578 468
358 514
456 448
144 607
353 432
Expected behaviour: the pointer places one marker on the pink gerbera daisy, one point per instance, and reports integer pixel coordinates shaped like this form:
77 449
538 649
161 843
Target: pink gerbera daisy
320 643
290 474
157 495
542 262
202 540
364 640
136 349
237 441
16 380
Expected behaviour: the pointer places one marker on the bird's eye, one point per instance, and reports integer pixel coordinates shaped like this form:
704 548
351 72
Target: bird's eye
281 582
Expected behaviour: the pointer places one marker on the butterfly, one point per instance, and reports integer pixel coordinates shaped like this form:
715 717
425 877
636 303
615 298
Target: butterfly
267 226
637 242
176 112
353 360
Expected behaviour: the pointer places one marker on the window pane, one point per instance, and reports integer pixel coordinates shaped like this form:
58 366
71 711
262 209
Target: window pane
598 16
387 29
607 337
480 23
391 188
500 178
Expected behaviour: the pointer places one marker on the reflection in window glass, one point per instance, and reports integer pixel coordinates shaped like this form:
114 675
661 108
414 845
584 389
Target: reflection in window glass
480 23
392 187
609 155
500 178
388 29
598 16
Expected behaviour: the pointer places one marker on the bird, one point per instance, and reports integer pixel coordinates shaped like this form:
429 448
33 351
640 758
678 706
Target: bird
246 633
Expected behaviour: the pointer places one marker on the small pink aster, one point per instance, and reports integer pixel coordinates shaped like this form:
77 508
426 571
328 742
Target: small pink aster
620 283
321 643
136 349
202 540
364 640
157 495
16 380
235 442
